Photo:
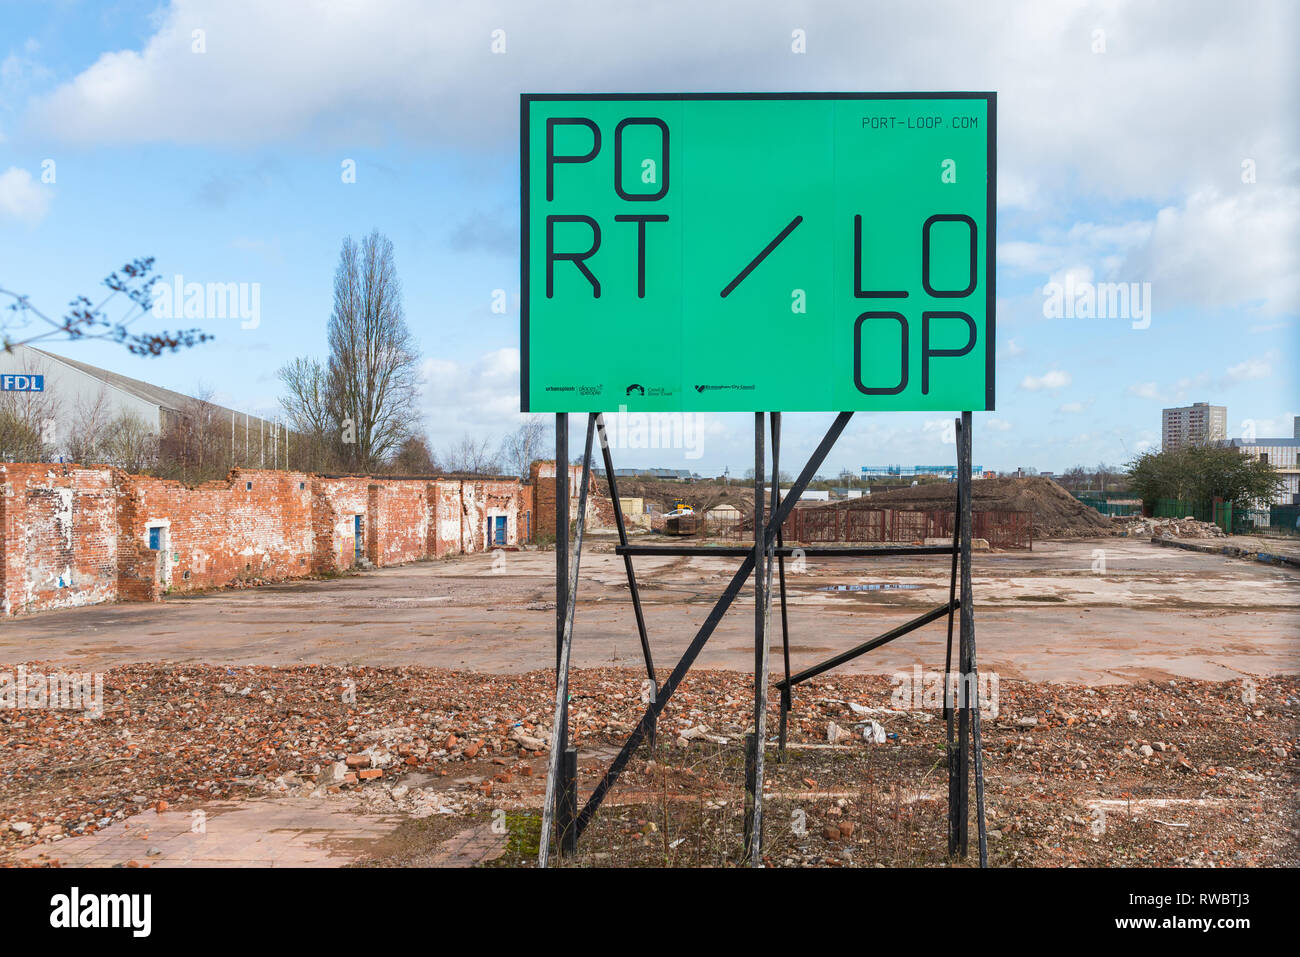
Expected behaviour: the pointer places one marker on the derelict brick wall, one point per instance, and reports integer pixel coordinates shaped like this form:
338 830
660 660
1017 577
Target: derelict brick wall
447 517
60 537
338 500
76 535
600 510
255 524
542 479
401 521
504 498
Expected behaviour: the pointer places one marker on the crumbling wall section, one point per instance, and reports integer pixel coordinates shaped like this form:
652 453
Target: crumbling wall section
600 510
400 518
253 524
75 536
60 537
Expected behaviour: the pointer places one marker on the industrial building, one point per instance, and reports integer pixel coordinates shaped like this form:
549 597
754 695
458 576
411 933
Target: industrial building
910 471
60 396
1283 455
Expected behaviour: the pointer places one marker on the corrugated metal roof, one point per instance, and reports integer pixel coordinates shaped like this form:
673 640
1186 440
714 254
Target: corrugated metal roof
1256 443
165 398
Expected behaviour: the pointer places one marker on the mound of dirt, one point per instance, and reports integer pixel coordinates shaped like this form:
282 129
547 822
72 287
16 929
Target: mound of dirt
1056 513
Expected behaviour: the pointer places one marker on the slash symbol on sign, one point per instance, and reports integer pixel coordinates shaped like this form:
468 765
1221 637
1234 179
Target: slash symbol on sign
767 251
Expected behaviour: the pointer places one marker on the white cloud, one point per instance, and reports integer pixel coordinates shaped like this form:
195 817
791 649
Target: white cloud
1145 390
1048 381
1072 408
1161 111
1282 426
1225 248
997 425
480 397
23 198
1010 349
1259 367
1213 249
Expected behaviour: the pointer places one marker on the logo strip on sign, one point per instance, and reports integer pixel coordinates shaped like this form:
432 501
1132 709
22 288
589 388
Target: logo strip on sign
757 251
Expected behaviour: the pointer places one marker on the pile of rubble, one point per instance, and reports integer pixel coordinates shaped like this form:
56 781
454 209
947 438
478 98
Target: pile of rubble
429 741
1141 526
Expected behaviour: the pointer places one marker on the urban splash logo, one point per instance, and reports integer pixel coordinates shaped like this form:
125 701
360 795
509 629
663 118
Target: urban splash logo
212 300
74 910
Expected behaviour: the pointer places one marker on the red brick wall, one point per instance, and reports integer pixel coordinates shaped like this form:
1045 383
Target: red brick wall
335 502
60 537
222 531
76 536
400 519
600 510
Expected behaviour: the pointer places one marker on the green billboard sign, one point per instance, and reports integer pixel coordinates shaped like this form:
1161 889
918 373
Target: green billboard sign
757 251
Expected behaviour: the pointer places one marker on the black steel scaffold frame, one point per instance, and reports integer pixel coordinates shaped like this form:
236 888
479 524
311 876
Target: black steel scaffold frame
561 816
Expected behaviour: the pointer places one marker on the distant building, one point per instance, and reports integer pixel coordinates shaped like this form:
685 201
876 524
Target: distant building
63 394
912 471
1197 424
672 475
842 492
1283 455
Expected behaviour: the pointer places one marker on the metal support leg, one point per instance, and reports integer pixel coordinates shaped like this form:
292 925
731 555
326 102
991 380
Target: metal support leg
762 632
751 767
949 689
753 796
561 529
706 630
970 667
786 700
557 779
963 649
567 809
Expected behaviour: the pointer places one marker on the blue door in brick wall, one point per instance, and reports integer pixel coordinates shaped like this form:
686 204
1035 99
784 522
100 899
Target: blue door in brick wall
499 530
357 539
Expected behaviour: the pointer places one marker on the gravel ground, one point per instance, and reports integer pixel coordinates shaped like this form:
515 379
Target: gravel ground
1167 773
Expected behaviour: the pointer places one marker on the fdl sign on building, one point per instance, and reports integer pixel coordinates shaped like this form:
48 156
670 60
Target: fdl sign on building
22 383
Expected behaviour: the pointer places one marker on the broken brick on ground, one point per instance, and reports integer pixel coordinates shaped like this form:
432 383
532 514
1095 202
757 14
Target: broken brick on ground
1183 772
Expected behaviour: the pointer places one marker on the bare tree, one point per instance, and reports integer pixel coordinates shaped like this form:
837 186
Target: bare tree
414 458
317 439
524 445
196 444
132 445
28 430
372 375
22 437
88 429
474 456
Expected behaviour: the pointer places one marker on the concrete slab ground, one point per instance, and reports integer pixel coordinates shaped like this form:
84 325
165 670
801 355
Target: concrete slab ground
1110 610
266 832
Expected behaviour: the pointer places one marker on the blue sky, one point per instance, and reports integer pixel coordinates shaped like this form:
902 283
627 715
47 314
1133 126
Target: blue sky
1123 134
